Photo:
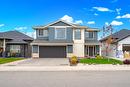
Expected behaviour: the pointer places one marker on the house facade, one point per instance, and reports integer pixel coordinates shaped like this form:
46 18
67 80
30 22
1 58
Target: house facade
15 44
119 46
61 39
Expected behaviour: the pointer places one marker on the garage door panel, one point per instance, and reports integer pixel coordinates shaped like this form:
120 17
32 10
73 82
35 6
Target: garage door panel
52 52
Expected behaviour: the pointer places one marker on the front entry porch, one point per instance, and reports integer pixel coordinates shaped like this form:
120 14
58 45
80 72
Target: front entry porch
126 51
91 50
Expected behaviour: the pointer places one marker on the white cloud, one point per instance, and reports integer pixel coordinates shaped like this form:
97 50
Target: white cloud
118 10
71 20
116 23
102 9
124 16
67 18
1 25
106 23
91 22
20 28
79 22
31 34
95 14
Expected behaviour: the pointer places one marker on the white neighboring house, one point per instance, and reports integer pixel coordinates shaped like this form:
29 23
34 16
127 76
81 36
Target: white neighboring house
120 46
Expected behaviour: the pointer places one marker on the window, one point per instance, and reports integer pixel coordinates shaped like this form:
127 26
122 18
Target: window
40 32
15 48
43 33
35 49
86 34
60 33
77 34
70 48
91 34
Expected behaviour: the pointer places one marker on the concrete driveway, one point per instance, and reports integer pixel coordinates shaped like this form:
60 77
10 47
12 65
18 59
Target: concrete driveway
42 62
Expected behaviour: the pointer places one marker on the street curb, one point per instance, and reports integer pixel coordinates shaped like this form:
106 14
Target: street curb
66 68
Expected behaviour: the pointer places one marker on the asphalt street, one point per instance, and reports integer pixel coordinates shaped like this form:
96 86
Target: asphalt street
65 79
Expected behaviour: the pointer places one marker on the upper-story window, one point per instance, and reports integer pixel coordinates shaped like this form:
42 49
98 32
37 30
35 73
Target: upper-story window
60 33
77 34
43 33
91 34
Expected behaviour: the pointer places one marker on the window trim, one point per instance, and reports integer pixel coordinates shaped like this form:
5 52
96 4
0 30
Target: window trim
33 49
93 35
75 35
42 33
16 48
56 32
68 48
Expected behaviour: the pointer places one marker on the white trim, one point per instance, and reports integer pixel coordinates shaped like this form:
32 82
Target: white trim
56 33
60 26
59 21
33 48
43 33
80 34
38 50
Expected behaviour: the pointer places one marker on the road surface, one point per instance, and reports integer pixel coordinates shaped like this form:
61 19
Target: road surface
66 79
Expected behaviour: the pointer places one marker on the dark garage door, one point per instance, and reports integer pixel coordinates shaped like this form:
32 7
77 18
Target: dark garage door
52 52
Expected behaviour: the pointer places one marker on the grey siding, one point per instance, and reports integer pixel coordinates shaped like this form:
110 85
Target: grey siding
69 35
42 38
51 36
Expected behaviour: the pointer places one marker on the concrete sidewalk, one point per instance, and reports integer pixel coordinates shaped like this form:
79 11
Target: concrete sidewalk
67 68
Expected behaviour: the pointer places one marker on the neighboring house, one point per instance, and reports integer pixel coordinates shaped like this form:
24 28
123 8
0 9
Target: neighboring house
15 44
61 39
120 45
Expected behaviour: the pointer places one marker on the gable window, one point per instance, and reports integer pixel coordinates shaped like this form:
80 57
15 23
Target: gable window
43 33
77 34
60 33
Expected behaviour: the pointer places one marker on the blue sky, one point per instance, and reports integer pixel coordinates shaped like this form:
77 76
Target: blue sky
23 14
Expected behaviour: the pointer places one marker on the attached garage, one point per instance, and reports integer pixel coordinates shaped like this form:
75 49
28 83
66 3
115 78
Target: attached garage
52 51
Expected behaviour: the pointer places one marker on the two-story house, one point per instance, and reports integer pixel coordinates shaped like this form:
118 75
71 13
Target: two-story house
61 39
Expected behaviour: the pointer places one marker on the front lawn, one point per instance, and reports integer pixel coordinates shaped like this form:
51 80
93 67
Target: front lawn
7 60
100 61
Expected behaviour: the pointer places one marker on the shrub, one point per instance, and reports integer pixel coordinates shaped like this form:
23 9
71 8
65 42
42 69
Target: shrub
99 57
126 62
73 60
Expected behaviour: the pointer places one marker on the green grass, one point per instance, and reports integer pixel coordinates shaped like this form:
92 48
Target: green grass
7 60
100 61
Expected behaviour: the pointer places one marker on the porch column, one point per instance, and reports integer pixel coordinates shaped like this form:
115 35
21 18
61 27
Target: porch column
4 46
88 51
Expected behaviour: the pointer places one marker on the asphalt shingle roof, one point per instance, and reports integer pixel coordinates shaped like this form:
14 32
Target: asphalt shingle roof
118 35
15 37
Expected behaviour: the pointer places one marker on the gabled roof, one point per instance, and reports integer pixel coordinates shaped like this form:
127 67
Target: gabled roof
118 35
70 24
15 37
